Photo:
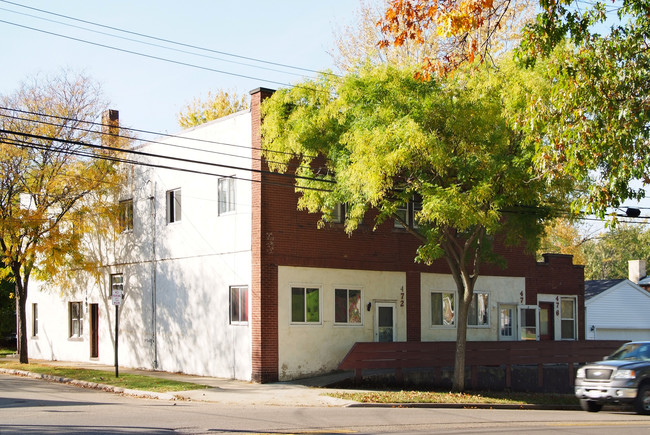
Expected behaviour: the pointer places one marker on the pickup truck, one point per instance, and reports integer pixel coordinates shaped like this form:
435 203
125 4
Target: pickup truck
621 378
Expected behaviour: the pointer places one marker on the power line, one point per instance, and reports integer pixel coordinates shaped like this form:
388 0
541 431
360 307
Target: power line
150 56
150 43
167 135
166 40
151 155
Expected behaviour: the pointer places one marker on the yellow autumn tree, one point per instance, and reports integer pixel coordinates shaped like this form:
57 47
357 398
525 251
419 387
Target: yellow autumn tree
221 104
52 168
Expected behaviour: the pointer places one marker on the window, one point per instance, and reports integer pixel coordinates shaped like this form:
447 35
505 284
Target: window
238 305
338 214
126 215
479 309
443 309
305 305
568 318
75 310
173 205
407 212
226 192
117 283
347 306
34 320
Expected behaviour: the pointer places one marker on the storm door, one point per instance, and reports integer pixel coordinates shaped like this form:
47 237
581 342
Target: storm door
385 330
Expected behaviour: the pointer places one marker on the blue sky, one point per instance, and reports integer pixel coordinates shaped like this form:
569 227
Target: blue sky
149 92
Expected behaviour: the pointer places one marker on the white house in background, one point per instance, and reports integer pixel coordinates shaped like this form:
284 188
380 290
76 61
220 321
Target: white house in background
616 309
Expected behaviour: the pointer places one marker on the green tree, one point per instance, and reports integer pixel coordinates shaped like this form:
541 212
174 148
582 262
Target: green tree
48 176
607 256
385 138
200 111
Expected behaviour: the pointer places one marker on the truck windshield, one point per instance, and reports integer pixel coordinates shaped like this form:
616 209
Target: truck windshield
632 351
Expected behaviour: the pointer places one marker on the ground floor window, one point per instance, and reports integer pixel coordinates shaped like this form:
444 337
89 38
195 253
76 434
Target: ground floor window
34 320
479 310
305 304
443 308
347 306
568 318
75 316
238 304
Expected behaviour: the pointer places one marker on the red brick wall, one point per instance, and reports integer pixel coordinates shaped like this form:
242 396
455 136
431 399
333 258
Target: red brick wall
264 281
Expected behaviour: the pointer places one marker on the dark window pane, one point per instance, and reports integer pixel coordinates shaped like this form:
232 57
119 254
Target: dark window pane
340 306
297 304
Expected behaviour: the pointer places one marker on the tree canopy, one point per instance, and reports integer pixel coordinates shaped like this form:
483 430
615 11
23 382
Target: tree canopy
50 168
381 139
221 104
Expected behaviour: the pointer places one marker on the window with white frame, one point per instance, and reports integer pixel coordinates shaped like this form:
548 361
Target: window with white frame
75 319
126 215
408 212
305 305
568 318
238 304
443 308
34 320
226 193
479 310
347 306
173 205
117 283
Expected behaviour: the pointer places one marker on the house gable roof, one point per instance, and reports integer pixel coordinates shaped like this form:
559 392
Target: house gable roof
596 287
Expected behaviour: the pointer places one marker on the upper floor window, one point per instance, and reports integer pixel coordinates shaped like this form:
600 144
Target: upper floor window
407 213
479 310
226 192
173 205
443 308
126 215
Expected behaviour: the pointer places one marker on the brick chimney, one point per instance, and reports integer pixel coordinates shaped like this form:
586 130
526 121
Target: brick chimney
636 270
110 128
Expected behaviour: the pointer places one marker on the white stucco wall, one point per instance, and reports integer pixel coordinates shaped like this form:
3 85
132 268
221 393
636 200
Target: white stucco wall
619 313
501 290
318 348
196 261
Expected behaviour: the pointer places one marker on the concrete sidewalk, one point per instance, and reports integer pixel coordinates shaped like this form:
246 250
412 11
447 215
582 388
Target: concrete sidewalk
224 391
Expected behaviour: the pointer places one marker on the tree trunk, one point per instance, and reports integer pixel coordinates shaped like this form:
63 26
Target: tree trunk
465 296
21 301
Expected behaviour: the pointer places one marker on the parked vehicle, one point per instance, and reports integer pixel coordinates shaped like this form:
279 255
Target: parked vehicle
621 378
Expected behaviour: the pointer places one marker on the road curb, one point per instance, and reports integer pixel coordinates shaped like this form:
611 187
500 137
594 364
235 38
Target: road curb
91 385
467 406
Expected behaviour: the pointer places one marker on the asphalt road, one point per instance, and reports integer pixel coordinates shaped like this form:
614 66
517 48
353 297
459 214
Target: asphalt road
29 406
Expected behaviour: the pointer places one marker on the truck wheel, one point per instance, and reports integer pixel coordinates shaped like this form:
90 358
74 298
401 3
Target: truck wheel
642 402
590 405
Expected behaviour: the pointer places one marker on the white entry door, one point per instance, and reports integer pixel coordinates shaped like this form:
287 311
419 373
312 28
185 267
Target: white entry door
385 329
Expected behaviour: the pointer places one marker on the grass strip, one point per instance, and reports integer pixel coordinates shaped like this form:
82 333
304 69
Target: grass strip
125 380
447 397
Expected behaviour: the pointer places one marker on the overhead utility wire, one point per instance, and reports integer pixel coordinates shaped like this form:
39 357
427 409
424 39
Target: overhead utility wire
150 56
88 154
153 44
145 154
165 40
142 131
